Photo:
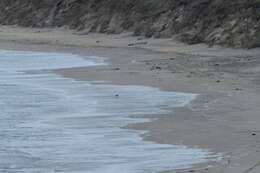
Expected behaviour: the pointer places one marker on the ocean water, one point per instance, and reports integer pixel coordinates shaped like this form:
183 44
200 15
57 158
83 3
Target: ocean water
49 123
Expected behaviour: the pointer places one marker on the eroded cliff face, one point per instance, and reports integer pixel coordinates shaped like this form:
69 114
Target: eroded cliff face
226 22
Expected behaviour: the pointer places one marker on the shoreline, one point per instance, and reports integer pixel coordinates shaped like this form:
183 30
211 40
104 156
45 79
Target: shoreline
216 120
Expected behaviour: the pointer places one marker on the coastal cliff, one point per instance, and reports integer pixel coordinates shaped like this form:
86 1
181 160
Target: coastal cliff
222 22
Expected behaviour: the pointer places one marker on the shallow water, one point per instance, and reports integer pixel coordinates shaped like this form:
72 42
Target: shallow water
49 123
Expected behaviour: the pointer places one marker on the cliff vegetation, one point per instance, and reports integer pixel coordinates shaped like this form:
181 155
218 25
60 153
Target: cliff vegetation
234 23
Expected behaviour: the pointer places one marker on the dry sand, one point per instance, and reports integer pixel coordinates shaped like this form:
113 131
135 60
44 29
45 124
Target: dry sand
226 116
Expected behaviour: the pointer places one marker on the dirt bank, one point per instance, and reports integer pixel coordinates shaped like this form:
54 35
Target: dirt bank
224 22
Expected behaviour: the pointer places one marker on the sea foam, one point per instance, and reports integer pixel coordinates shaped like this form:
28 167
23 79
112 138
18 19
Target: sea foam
49 123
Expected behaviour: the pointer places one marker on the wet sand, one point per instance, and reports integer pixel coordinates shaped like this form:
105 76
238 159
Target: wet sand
226 116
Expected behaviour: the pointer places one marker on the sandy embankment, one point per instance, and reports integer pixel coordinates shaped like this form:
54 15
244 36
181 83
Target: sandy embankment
226 116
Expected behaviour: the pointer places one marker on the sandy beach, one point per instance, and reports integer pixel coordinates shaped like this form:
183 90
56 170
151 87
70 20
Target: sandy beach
225 117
